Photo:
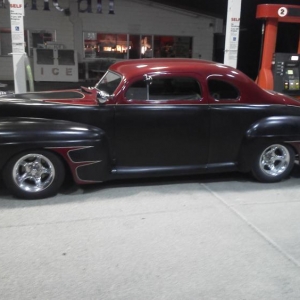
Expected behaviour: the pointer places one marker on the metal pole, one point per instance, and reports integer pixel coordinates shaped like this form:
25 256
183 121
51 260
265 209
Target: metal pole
18 44
232 32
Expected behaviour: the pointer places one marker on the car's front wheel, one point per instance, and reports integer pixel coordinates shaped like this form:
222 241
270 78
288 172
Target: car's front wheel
34 174
273 163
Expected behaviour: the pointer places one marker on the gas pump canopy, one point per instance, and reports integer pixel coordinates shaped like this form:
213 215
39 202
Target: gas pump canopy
278 71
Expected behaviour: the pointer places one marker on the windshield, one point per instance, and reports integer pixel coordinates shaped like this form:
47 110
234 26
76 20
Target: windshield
109 82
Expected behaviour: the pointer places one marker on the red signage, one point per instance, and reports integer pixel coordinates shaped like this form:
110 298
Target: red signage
83 6
15 5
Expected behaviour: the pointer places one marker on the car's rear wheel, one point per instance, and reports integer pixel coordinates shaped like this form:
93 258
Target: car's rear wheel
273 163
34 174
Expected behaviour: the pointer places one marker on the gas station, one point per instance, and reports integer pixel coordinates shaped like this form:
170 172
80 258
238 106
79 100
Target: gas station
193 237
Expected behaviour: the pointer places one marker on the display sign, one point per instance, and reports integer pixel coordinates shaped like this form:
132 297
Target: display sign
232 33
18 44
17 26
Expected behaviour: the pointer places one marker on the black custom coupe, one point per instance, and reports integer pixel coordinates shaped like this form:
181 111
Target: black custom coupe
148 117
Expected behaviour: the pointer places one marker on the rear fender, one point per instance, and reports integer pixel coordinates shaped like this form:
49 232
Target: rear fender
278 126
277 129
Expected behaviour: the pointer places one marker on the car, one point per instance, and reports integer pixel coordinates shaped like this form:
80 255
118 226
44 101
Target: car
147 118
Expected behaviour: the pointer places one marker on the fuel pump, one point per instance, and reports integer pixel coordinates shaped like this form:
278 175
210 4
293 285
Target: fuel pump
278 71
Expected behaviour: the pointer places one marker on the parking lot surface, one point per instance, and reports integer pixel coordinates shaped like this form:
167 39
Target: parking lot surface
203 237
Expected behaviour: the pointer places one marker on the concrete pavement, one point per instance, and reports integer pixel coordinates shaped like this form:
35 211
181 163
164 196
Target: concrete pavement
205 237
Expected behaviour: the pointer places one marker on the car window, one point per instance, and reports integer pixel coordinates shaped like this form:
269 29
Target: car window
165 88
137 91
222 90
109 82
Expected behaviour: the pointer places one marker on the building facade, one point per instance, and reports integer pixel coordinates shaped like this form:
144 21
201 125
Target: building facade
104 31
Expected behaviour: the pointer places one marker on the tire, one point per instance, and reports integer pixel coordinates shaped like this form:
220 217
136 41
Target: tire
273 163
34 174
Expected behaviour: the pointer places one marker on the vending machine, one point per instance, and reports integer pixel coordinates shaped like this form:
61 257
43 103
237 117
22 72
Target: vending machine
55 64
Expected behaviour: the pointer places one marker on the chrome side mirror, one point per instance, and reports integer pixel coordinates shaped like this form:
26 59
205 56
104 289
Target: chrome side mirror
102 97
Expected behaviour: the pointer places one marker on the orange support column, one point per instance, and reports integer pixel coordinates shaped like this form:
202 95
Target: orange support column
265 76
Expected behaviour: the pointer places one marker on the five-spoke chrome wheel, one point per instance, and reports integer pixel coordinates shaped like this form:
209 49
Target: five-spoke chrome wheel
33 172
275 160
34 175
273 163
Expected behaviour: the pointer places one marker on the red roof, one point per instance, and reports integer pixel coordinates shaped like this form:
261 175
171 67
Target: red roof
142 66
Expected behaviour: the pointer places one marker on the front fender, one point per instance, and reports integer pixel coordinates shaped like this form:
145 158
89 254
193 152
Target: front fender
83 147
45 131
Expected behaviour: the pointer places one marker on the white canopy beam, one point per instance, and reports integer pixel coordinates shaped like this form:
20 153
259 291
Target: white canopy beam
232 33
18 44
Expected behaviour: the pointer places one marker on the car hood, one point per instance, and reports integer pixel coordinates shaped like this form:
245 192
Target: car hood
83 96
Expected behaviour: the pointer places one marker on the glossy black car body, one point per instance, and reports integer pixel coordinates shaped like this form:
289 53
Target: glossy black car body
147 118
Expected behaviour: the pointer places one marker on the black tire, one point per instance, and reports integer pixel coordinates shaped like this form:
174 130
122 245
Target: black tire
34 174
273 163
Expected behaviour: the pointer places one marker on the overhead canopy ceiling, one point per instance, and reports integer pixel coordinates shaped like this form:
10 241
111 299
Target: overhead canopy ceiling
214 7
219 7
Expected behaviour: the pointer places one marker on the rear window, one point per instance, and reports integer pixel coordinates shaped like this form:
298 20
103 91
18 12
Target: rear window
222 90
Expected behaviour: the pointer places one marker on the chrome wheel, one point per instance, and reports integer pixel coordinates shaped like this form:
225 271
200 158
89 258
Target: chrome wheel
275 160
273 163
33 172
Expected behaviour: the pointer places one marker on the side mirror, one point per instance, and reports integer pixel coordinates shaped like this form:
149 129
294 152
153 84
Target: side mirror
102 97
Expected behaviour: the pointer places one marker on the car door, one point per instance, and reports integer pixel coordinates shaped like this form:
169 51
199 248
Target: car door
231 116
162 121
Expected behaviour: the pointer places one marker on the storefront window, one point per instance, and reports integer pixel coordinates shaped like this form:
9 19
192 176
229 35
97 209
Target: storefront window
32 39
134 46
123 46
169 46
39 39
90 44
5 42
111 45
146 46
105 45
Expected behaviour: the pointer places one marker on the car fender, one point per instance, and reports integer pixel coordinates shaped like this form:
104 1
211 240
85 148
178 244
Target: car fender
83 147
279 126
275 129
